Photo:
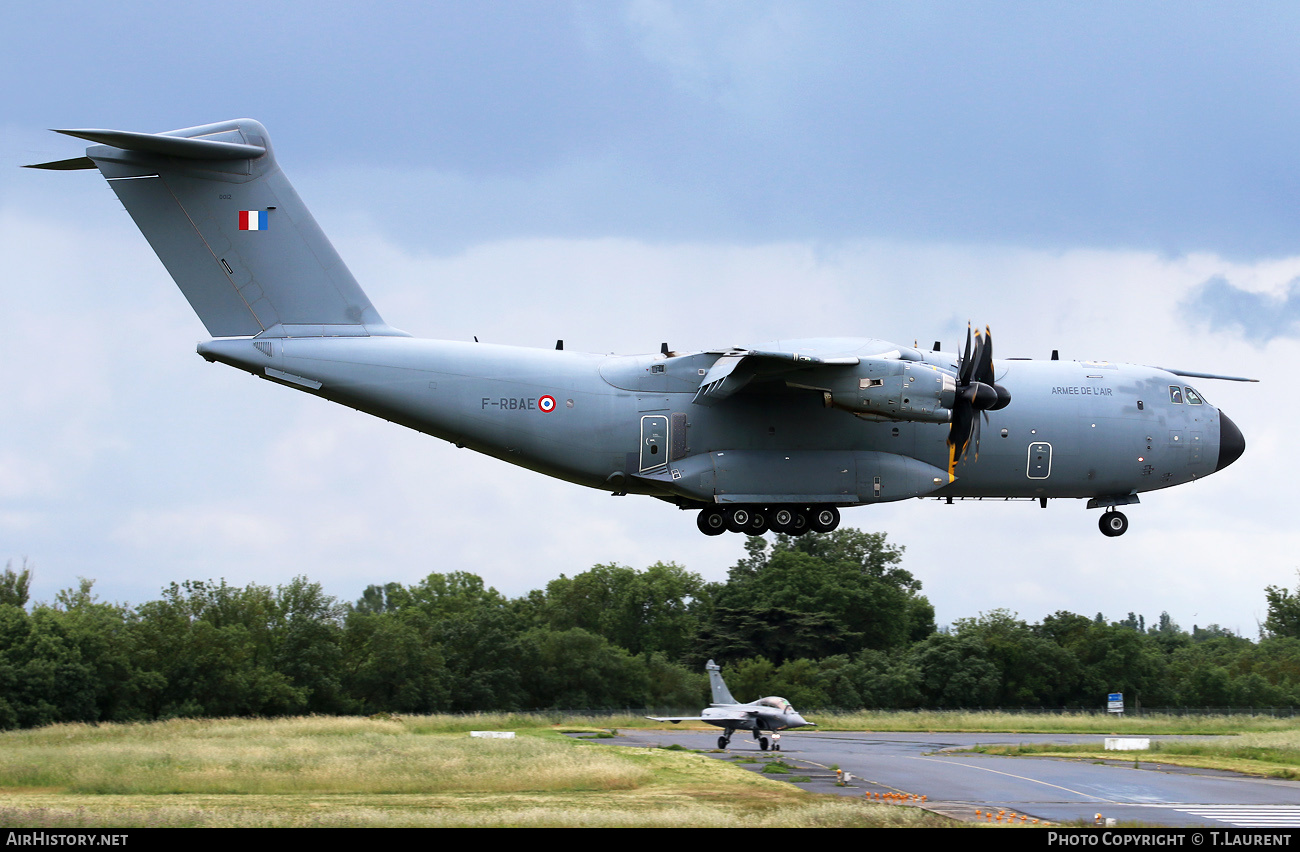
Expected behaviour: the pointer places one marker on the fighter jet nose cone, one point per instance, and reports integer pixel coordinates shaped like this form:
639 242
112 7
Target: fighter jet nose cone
1231 442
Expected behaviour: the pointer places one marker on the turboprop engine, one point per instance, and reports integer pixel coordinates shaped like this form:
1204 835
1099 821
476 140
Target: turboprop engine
890 389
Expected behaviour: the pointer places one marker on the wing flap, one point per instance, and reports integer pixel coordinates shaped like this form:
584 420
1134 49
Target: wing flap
736 368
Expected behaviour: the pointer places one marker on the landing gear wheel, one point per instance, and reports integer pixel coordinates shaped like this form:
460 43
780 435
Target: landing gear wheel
1113 524
711 521
738 518
824 519
776 746
757 523
800 525
762 744
722 742
781 519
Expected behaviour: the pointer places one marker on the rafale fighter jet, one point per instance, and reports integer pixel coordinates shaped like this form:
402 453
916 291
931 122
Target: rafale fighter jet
778 436
764 716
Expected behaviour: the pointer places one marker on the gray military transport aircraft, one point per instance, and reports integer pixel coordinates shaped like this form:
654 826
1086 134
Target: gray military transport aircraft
778 436
765 716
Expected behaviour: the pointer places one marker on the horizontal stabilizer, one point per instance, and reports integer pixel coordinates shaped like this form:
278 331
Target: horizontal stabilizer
169 146
65 165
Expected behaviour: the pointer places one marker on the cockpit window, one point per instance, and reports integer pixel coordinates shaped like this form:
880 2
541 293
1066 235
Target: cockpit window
1175 394
1193 398
777 702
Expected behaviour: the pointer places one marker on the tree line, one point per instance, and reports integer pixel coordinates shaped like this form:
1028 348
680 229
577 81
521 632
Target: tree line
828 621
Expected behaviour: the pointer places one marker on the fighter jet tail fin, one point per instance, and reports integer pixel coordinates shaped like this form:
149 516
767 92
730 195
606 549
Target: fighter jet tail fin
232 232
721 695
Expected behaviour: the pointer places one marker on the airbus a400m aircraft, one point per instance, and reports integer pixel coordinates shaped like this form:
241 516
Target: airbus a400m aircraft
778 436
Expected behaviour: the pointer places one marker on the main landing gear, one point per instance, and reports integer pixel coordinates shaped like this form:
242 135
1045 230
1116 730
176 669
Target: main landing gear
764 743
1113 523
756 520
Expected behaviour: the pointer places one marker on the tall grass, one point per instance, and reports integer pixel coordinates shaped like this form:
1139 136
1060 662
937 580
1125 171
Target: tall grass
670 812
316 755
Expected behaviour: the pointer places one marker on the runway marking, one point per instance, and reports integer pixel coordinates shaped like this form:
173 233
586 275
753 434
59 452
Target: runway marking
1020 778
1245 816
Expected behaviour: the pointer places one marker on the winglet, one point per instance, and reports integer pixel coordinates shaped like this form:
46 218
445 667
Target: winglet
65 165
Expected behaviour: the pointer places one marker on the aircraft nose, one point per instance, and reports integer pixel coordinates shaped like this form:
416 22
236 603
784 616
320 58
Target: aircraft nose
1231 442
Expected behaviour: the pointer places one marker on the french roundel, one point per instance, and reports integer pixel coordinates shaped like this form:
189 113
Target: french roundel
546 404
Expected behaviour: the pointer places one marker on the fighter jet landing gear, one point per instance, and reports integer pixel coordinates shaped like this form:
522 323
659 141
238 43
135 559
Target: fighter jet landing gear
756 520
725 739
1113 523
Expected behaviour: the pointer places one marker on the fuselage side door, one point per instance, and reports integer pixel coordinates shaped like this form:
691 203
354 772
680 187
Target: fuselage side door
1040 460
654 441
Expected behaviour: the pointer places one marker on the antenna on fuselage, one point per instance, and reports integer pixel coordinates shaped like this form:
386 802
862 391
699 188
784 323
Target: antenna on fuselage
1056 355
559 344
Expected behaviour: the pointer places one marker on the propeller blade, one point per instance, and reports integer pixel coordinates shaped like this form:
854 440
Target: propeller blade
984 357
964 366
977 393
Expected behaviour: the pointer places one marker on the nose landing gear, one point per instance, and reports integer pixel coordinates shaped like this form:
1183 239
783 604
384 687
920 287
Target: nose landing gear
1113 523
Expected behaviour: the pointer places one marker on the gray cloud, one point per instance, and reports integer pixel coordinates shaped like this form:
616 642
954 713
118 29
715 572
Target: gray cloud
1256 317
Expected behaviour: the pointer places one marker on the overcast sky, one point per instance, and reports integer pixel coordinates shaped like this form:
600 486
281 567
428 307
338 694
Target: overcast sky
1112 180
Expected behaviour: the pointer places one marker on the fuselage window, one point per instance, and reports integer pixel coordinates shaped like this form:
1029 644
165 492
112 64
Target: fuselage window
1193 398
1175 394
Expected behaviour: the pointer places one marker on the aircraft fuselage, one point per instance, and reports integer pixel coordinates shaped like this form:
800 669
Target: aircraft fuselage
629 424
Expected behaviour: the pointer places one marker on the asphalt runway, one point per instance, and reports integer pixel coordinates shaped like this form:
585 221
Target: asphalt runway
1059 791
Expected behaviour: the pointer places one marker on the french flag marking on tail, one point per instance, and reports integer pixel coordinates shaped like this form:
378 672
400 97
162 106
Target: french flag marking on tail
252 220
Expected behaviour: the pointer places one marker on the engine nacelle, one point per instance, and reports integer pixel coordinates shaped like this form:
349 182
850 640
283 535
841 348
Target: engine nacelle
888 389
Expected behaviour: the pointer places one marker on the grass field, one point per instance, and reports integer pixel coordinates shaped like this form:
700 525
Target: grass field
1054 723
1271 754
419 771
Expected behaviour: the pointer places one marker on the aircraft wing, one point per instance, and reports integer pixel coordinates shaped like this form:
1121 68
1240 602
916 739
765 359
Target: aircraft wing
737 367
1189 374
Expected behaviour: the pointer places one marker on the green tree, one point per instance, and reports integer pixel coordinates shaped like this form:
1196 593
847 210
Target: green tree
848 579
1032 669
389 666
657 609
576 669
213 647
1283 613
14 585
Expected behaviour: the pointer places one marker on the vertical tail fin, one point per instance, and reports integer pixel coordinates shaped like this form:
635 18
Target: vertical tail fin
721 695
229 227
